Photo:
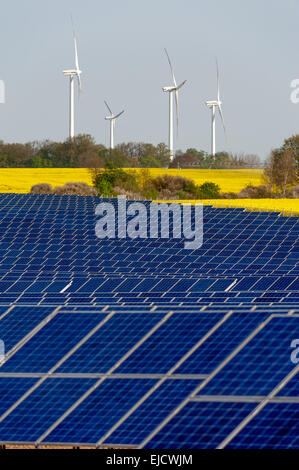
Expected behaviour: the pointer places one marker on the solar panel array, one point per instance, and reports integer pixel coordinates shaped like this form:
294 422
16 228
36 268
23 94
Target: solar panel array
142 343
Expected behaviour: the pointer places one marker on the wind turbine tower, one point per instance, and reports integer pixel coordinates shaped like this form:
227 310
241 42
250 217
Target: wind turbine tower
213 105
112 118
72 73
172 89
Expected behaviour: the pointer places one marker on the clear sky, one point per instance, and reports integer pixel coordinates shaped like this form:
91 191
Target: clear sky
121 55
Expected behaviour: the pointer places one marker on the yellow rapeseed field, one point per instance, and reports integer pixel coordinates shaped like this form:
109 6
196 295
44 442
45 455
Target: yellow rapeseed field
20 180
286 206
228 180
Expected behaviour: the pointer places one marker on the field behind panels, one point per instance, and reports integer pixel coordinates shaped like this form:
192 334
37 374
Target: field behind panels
20 180
141 343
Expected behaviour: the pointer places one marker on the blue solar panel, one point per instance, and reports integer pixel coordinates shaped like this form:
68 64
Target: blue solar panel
42 408
52 342
100 411
261 365
60 253
218 346
274 427
169 343
11 389
200 425
202 285
110 343
19 322
152 412
291 389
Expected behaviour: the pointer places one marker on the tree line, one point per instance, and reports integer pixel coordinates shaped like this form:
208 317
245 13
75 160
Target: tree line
84 152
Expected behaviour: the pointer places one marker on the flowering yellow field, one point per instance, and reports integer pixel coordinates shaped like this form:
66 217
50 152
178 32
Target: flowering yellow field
228 180
286 206
20 180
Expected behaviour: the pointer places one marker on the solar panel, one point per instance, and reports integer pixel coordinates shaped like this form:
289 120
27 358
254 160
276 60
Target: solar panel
43 406
200 425
169 343
291 389
20 321
12 389
151 412
225 340
274 427
147 323
52 342
110 343
260 365
88 422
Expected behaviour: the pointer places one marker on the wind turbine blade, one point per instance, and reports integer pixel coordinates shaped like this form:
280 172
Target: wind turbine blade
76 52
182 84
80 84
172 72
177 110
222 118
218 83
119 114
108 108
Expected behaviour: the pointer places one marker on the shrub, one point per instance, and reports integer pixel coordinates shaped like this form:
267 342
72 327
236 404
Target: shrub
293 192
76 189
208 190
255 192
227 196
105 181
150 194
171 187
41 188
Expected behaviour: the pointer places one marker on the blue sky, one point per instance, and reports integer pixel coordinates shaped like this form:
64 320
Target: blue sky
121 55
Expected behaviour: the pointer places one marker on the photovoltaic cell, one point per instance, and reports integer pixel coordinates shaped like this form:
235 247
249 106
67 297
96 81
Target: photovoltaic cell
100 411
261 365
169 343
19 322
42 408
52 342
200 425
291 389
11 389
274 427
152 412
218 346
110 343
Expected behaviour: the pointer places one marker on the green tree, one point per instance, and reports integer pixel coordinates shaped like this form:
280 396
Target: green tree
281 170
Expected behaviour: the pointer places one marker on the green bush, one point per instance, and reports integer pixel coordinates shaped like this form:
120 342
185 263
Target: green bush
113 181
106 180
208 190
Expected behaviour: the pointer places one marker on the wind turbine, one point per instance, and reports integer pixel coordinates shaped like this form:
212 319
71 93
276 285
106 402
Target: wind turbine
213 105
112 119
72 73
172 89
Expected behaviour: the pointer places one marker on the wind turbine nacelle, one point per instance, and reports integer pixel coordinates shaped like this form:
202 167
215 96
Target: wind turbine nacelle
72 72
168 88
213 103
